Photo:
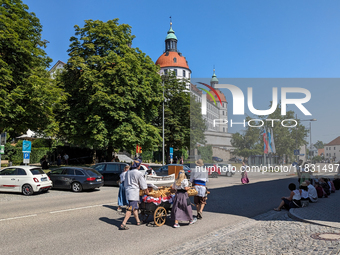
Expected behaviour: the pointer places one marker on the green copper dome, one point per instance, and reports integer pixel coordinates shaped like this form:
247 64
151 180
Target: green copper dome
214 78
171 34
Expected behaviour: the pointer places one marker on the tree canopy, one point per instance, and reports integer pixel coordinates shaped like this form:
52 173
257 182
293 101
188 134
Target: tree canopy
113 90
287 139
27 93
176 113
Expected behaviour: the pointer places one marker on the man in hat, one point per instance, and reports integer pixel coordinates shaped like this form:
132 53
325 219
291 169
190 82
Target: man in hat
199 178
134 181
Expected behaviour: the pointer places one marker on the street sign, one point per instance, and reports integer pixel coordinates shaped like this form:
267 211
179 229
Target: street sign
296 152
171 152
26 158
2 149
3 138
26 146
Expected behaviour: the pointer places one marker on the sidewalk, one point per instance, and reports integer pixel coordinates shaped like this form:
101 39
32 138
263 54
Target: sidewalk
274 233
325 212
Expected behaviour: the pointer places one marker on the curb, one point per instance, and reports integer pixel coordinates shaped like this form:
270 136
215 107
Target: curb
294 216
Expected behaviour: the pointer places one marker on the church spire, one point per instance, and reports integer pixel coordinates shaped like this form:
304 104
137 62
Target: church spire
213 80
171 39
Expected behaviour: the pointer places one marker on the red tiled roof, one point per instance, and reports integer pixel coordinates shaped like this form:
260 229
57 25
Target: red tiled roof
168 60
222 96
195 89
336 141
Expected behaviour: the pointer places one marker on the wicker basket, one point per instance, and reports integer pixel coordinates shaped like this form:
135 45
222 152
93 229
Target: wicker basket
192 192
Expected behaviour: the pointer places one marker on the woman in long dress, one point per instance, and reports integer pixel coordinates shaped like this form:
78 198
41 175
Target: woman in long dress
244 175
181 208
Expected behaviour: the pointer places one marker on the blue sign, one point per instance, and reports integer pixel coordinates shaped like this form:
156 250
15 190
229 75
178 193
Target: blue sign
296 152
171 152
27 155
26 146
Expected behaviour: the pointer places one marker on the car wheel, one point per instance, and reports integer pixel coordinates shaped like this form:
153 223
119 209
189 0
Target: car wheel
76 187
27 190
229 174
214 175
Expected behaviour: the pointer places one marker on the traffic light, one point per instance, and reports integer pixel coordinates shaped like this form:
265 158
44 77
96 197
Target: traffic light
138 149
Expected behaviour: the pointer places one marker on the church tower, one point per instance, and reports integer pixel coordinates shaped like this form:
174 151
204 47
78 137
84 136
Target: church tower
172 59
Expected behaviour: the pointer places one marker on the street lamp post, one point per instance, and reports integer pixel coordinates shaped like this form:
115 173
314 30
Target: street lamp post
310 134
163 124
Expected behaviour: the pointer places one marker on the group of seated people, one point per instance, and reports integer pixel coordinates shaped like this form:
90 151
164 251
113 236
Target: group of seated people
307 192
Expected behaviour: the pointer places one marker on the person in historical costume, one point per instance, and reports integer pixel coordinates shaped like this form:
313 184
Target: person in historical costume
199 178
181 208
134 181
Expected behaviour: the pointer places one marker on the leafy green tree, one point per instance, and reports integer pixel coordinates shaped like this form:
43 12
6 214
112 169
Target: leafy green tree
114 91
319 144
287 139
197 124
176 114
27 93
249 143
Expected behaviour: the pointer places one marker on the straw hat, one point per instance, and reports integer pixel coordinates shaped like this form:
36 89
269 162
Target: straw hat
199 162
304 184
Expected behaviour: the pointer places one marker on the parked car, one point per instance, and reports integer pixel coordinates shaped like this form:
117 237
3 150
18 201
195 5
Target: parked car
146 169
235 159
226 169
111 171
217 159
76 178
24 179
164 170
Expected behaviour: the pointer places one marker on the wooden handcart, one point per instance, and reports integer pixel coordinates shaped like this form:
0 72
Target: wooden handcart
161 211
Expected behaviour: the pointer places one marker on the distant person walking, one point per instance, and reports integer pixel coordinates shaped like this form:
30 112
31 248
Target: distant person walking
44 162
58 160
199 179
66 157
181 160
244 175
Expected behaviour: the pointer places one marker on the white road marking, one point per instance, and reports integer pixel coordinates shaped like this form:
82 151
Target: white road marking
79 208
20 217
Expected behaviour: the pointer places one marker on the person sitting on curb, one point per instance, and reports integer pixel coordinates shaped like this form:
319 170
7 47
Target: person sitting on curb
134 181
312 194
319 190
324 185
304 191
293 201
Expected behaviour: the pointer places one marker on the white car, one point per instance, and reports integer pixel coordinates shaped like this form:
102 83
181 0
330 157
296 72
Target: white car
24 179
143 169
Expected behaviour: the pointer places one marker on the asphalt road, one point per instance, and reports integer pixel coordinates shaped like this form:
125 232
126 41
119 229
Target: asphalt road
62 222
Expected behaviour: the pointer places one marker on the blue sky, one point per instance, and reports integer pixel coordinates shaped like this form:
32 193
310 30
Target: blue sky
242 39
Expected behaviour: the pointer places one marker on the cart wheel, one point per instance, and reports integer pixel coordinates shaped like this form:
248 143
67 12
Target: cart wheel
160 216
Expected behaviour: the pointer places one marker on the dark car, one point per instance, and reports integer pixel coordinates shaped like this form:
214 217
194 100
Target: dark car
164 170
111 171
235 159
76 178
217 159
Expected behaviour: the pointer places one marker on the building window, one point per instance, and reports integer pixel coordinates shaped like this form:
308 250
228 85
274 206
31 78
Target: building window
334 148
175 60
165 71
223 129
222 112
168 45
175 71
326 149
183 73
